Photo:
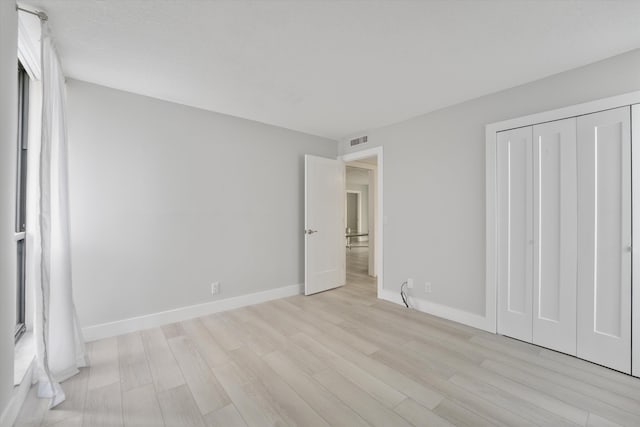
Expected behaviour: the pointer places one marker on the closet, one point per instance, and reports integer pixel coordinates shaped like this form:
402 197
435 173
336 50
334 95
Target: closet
563 235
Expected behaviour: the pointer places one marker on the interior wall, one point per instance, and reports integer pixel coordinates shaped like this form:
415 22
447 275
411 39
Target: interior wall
8 138
434 179
166 199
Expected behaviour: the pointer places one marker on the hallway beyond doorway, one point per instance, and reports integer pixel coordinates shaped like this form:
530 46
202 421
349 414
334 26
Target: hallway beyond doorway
358 271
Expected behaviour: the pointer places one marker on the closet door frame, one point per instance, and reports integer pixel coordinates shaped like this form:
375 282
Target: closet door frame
489 322
635 255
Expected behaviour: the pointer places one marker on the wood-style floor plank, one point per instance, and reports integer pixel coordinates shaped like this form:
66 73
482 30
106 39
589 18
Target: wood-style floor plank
360 401
103 407
510 402
291 407
140 407
324 403
383 392
225 417
307 361
537 397
218 330
584 367
172 330
625 403
420 416
269 314
164 368
207 391
579 400
103 360
75 421
253 408
461 416
358 343
208 347
249 336
179 408
134 367
597 421
385 373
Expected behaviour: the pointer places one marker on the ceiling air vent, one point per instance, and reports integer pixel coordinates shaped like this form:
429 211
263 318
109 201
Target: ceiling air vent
358 141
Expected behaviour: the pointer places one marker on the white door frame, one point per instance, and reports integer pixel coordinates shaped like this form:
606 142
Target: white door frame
379 220
635 239
490 323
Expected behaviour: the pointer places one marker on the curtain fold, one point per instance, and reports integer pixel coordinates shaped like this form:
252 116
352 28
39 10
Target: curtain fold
60 347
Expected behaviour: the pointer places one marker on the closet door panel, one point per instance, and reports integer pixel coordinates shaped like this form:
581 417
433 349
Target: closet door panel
515 233
604 238
555 234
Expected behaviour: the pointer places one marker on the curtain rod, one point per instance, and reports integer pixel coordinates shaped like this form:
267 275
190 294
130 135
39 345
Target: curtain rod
43 16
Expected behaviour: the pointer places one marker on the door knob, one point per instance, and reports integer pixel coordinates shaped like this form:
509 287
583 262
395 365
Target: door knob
310 231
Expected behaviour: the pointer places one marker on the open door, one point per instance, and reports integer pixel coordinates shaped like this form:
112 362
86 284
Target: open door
324 241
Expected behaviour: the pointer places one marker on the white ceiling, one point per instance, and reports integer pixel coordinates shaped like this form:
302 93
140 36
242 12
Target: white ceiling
332 68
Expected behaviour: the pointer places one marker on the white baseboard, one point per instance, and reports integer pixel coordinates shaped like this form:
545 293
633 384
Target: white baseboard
10 413
440 310
119 327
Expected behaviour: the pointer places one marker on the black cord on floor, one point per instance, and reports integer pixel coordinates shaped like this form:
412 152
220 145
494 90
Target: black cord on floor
403 294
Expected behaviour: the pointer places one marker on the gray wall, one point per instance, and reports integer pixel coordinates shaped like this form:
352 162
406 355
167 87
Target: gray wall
166 199
434 179
8 135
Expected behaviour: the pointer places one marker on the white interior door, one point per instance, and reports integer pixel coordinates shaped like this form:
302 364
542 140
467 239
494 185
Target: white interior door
324 221
604 238
635 340
515 233
555 235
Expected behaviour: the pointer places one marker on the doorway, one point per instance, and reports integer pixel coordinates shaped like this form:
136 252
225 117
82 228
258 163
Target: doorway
363 219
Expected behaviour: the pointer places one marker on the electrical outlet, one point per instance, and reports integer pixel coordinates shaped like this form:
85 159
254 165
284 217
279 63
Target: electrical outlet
215 288
410 283
427 287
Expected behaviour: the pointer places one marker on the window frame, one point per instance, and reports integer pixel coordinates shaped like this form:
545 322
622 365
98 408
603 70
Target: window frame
22 146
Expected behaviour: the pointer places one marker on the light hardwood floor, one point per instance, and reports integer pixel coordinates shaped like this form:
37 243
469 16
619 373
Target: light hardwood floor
339 358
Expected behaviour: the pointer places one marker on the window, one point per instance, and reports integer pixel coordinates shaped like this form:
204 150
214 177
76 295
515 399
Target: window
21 197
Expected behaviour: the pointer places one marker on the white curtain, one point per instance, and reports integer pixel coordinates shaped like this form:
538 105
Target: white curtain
60 347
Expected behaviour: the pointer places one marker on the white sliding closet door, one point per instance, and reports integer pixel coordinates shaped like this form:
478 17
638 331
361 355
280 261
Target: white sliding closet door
555 234
604 238
515 233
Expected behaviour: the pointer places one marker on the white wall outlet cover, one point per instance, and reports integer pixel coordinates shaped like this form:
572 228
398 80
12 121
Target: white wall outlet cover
410 283
427 287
